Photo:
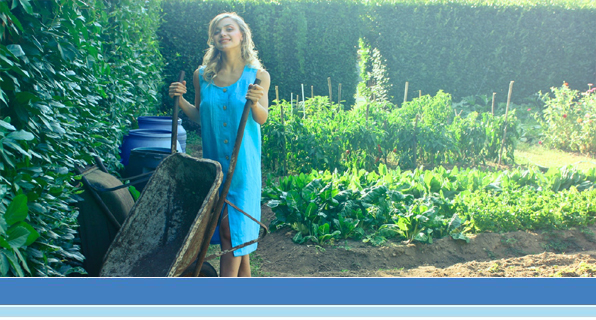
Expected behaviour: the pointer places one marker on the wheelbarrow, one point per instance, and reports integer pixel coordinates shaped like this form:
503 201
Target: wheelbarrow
168 230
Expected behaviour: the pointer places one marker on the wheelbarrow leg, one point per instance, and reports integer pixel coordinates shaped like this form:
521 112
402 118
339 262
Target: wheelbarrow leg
207 270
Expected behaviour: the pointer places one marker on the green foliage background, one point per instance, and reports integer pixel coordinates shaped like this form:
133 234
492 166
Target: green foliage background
478 47
299 42
426 131
464 47
72 76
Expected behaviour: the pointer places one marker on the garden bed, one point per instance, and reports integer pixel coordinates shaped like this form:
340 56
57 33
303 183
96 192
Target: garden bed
570 253
566 253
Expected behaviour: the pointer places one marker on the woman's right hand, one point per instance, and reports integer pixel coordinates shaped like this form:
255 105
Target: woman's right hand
177 89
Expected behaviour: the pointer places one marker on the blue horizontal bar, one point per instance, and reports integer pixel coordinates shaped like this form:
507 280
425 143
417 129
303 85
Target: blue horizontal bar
304 311
297 291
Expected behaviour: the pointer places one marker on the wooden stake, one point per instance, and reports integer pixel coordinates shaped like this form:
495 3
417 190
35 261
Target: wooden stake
281 107
339 98
505 124
302 85
492 108
406 93
419 94
298 105
329 84
312 92
415 140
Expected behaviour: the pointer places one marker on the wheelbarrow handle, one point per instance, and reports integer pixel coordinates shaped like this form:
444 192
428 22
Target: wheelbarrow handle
99 200
226 186
175 116
261 235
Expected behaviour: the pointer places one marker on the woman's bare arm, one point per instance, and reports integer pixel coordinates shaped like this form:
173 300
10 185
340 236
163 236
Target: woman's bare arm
179 89
259 95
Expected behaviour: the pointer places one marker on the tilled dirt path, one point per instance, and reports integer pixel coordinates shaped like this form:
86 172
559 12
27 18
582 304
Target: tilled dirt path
569 253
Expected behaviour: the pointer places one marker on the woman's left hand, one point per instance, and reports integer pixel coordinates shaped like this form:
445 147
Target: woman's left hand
255 93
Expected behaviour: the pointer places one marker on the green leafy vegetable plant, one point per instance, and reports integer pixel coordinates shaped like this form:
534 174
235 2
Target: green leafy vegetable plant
423 205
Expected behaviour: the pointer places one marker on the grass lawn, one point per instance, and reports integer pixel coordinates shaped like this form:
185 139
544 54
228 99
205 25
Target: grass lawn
542 156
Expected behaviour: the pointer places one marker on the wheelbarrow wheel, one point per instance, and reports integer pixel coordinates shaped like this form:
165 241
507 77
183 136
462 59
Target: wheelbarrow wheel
207 270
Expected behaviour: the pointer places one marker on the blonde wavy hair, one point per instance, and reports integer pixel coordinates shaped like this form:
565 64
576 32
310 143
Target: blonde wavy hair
212 59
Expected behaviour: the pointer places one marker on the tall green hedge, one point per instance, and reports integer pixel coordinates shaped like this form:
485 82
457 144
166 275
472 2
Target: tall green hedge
72 75
299 42
470 47
464 47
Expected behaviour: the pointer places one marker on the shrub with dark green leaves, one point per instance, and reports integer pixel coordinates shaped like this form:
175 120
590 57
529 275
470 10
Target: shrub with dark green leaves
73 75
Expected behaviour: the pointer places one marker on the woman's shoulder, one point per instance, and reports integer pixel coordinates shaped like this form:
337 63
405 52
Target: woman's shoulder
199 74
263 74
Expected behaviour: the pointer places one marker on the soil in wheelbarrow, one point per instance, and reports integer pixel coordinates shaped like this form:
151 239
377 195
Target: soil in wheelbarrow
570 253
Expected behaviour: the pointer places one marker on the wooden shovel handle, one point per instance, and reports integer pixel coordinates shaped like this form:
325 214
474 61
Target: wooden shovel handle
175 116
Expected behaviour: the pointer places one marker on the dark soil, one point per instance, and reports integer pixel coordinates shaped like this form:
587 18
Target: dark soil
570 253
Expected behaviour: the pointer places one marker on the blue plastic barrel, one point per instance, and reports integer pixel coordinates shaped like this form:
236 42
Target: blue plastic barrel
146 159
145 138
215 238
163 123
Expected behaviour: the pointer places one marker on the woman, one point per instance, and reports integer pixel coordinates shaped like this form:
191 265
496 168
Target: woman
222 85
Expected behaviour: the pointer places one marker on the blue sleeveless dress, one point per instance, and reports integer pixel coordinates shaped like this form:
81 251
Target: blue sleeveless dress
221 109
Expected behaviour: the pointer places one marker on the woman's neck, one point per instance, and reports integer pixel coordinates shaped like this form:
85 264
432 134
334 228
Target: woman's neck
232 61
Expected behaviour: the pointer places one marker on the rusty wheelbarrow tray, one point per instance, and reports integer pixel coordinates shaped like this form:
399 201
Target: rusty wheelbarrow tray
168 225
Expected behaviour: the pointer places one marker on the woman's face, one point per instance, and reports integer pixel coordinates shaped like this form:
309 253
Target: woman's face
227 34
